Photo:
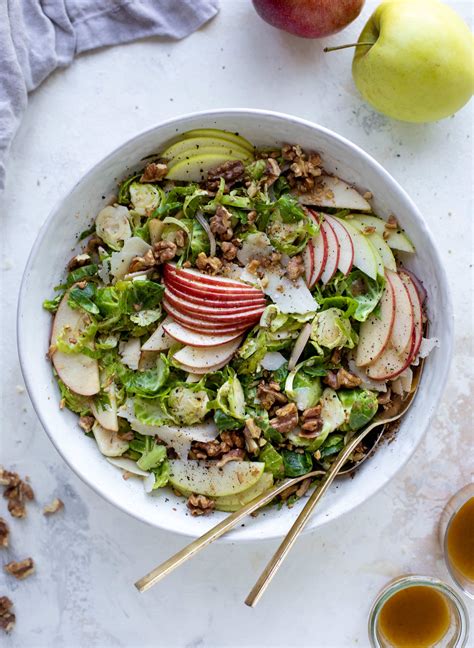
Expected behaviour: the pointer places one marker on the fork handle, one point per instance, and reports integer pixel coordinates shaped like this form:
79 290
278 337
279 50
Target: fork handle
300 522
216 532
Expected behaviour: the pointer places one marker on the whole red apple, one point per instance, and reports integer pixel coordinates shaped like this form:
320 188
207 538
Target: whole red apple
309 18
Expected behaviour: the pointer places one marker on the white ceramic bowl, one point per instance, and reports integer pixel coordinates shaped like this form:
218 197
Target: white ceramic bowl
76 212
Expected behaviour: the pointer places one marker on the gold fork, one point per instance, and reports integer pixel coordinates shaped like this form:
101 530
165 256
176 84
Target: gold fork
158 573
397 410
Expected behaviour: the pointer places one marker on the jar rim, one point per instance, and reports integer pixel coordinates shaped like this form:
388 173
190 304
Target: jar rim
412 580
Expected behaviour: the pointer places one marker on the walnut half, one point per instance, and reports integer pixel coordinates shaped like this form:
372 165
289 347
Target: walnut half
200 504
7 617
21 569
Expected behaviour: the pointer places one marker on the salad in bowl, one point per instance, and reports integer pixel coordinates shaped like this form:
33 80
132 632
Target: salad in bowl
236 314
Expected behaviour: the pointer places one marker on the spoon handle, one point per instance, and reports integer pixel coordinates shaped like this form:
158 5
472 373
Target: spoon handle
216 532
300 522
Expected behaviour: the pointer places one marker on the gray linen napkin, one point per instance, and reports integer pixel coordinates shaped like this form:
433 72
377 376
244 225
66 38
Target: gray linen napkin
38 36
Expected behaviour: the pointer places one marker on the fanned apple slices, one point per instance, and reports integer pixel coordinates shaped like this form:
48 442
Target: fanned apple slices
208 314
389 343
355 241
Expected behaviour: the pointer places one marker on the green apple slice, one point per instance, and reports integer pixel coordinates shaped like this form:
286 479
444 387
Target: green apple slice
364 252
106 414
108 441
378 259
78 371
220 134
381 247
195 145
331 191
235 502
396 239
207 478
229 153
196 168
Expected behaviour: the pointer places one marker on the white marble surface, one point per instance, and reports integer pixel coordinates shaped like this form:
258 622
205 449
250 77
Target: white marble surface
89 555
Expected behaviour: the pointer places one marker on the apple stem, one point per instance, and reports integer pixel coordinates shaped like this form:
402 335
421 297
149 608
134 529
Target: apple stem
340 47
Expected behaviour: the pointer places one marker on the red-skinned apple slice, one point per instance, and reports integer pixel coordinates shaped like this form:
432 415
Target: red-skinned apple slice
216 301
375 332
209 280
402 331
203 326
77 371
417 310
320 254
186 336
390 363
224 318
203 358
346 246
204 308
201 372
159 339
212 292
332 260
308 260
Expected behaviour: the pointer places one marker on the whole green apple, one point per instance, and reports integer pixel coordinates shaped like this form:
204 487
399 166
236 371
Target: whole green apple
418 64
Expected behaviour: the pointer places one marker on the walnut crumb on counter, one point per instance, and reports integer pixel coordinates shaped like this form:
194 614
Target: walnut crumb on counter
7 617
55 506
21 569
4 533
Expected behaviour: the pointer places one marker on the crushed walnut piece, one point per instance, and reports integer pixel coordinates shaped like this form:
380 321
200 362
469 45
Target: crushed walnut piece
295 267
385 398
7 617
21 569
217 448
272 171
86 423
200 504
312 422
251 433
4 533
232 172
161 252
221 224
8 478
391 223
55 506
237 454
342 378
78 261
304 167
154 171
164 251
212 265
16 491
270 394
286 418
229 250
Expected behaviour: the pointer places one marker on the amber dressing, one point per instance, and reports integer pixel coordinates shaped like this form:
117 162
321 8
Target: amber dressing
460 540
414 617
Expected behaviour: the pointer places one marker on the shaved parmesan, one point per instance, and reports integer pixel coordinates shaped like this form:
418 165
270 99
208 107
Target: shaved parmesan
427 345
120 261
130 352
289 296
272 360
255 246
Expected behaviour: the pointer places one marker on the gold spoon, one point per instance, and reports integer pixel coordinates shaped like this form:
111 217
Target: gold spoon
398 408
157 574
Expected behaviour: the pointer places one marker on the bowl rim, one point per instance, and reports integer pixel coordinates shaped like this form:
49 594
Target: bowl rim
181 120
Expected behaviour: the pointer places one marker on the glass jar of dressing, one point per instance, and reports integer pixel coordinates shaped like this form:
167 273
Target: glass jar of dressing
418 612
456 530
